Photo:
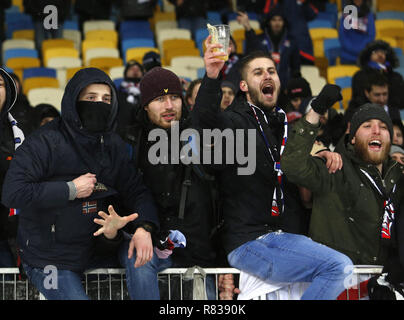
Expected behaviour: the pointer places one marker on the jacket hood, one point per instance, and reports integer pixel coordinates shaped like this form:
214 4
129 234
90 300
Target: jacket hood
364 56
80 80
11 92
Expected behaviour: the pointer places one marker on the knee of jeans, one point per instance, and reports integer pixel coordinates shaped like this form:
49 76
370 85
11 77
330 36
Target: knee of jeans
342 264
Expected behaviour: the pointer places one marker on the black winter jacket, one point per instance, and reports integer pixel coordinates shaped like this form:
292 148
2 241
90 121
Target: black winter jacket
54 230
166 182
246 199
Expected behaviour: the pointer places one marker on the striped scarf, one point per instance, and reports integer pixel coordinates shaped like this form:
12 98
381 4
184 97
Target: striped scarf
277 198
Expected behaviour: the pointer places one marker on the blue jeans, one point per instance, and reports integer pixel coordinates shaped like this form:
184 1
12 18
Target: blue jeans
286 257
68 284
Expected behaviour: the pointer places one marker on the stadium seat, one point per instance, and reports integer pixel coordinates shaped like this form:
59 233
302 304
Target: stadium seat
39 82
100 53
213 17
320 23
138 53
334 72
317 84
235 25
18 43
390 5
189 74
17 26
189 62
200 36
344 82
22 63
116 72
70 25
165 34
135 43
390 15
170 44
400 71
52 96
342 105
308 71
19 52
384 24
75 36
105 63
94 44
332 50
39 72
59 52
28 34
98 25
70 72
165 24
179 52
56 43
318 35
107 35
64 62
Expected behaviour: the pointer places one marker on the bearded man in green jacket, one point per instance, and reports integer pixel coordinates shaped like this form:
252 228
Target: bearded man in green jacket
354 208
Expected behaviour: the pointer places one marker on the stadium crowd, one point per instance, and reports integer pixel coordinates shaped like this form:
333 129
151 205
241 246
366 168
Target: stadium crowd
105 177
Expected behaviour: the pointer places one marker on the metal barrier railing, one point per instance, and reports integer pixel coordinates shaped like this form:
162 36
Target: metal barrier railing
110 284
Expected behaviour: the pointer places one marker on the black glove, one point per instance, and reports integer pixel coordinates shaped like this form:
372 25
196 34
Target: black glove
329 95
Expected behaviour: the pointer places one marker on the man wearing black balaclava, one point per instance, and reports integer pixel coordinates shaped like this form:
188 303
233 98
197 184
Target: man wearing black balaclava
76 190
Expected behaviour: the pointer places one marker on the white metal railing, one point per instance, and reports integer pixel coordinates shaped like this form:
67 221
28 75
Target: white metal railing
109 283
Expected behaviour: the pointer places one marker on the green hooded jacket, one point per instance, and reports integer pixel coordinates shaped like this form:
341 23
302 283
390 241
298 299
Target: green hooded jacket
347 210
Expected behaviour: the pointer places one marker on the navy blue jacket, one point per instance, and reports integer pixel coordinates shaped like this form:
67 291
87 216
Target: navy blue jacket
289 62
54 230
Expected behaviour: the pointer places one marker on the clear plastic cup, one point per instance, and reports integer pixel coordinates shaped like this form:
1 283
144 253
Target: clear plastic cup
222 36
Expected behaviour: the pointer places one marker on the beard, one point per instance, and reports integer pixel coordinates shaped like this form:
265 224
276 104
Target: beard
255 99
374 158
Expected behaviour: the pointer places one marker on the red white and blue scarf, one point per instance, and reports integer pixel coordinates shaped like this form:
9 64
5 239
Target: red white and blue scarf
277 198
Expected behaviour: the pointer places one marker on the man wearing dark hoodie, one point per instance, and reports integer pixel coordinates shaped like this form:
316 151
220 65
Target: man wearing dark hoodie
10 139
276 41
66 172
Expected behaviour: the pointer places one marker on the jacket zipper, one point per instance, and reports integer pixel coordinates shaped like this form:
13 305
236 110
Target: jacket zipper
53 231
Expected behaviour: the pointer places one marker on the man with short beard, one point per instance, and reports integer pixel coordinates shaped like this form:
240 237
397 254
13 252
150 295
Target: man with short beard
353 209
256 206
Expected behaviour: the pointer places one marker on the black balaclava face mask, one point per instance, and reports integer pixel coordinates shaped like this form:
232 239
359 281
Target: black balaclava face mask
94 116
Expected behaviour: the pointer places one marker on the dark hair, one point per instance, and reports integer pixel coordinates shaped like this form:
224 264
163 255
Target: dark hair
391 57
250 57
191 87
376 79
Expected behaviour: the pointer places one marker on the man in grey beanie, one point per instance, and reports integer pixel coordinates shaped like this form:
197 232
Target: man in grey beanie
353 209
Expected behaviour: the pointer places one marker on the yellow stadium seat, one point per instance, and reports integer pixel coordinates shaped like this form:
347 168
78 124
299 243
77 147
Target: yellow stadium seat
23 62
28 34
346 97
334 72
59 52
70 72
170 44
39 82
165 34
107 35
390 5
19 4
56 43
105 62
177 52
138 53
189 62
98 25
318 35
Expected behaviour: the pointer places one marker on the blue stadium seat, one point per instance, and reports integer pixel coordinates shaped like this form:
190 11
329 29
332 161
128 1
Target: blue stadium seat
39 72
137 33
131 25
71 25
332 50
18 25
390 15
13 16
117 82
320 23
401 60
136 43
20 52
330 16
233 16
200 36
344 82
200 73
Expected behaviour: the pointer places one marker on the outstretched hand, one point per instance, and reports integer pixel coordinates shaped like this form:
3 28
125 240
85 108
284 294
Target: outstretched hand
112 222
213 62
